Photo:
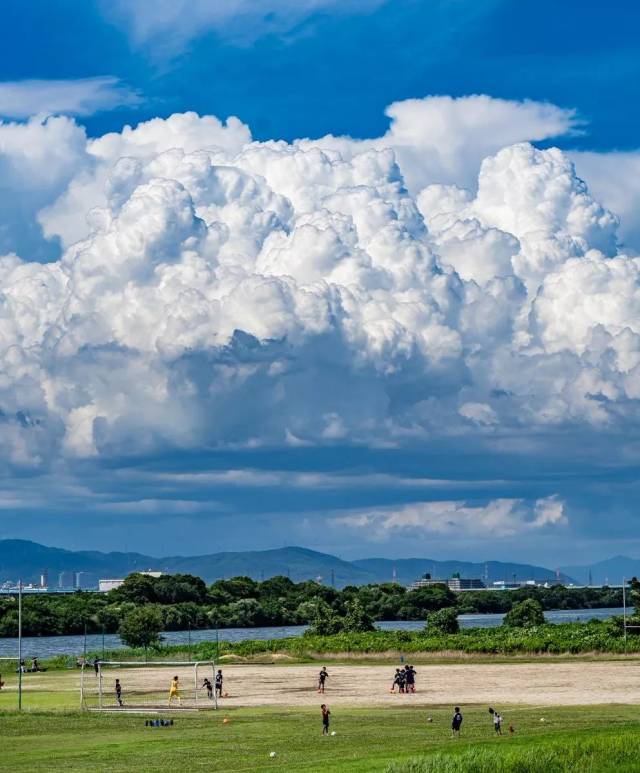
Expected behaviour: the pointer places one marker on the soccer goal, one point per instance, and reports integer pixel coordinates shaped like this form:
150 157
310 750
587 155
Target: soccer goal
147 686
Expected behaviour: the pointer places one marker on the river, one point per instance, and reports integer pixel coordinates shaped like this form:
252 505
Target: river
49 646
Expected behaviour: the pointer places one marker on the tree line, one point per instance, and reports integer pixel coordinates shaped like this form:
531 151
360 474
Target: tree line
182 601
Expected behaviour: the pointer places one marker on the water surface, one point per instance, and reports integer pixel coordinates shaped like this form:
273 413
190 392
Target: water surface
49 646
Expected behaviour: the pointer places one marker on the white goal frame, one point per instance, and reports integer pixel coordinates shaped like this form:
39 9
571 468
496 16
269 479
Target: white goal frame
201 669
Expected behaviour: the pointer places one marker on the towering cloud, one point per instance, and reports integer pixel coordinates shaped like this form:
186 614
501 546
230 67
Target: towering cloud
215 291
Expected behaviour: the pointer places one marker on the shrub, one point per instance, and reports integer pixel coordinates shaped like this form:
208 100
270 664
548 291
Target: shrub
526 614
357 620
443 621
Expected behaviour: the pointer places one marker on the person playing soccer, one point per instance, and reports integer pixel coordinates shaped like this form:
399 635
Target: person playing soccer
497 723
456 723
118 689
402 677
322 676
325 719
206 683
219 683
410 678
174 691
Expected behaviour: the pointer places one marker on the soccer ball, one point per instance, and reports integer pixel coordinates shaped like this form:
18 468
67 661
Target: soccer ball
429 719
333 732
272 754
225 721
542 719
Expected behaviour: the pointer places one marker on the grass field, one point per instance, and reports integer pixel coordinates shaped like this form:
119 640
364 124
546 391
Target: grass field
53 735
366 740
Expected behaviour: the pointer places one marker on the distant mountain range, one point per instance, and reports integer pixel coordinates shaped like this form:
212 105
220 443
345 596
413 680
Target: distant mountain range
612 571
28 560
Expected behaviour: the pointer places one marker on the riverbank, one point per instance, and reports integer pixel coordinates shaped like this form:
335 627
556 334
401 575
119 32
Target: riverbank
58 646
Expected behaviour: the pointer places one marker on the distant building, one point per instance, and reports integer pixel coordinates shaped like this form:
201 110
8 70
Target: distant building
425 583
44 578
65 580
106 585
111 584
461 583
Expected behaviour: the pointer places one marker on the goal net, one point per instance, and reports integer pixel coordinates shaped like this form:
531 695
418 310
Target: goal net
147 686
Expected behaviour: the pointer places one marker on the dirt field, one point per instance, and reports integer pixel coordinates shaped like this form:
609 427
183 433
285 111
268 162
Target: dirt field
530 683
537 683
527 683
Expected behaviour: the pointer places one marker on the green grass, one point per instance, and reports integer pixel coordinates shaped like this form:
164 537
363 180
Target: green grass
610 752
366 740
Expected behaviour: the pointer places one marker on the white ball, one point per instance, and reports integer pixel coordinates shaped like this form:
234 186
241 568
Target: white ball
272 754
333 732
542 719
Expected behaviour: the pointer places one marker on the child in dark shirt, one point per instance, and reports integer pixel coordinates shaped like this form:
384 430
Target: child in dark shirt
456 723
325 719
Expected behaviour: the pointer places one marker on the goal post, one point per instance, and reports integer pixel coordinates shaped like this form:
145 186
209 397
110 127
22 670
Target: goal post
146 686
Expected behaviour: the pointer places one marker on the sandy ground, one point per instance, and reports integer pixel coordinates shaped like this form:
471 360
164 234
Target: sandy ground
533 683
354 685
527 683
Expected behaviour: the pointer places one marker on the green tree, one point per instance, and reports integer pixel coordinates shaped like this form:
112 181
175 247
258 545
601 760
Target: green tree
525 614
443 621
180 588
325 621
137 588
357 620
141 627
416 604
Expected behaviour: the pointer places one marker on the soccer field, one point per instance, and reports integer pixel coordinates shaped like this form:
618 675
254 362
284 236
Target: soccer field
276 709
539 682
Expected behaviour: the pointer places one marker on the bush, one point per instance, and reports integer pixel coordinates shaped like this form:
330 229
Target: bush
443 621
526 614
357 620
325 621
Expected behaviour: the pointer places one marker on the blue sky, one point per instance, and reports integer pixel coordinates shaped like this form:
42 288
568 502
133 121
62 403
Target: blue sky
336 72
521 476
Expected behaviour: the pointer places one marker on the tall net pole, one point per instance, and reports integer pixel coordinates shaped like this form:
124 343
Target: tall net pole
19 645
624 611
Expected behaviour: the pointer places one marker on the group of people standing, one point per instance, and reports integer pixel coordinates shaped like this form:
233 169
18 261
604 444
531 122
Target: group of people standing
218 685
404 679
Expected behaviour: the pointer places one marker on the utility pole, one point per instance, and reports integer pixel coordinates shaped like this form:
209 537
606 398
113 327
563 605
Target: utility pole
19 645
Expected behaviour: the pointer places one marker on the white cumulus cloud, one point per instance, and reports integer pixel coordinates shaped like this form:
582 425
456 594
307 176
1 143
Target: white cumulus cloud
214 291
499 518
